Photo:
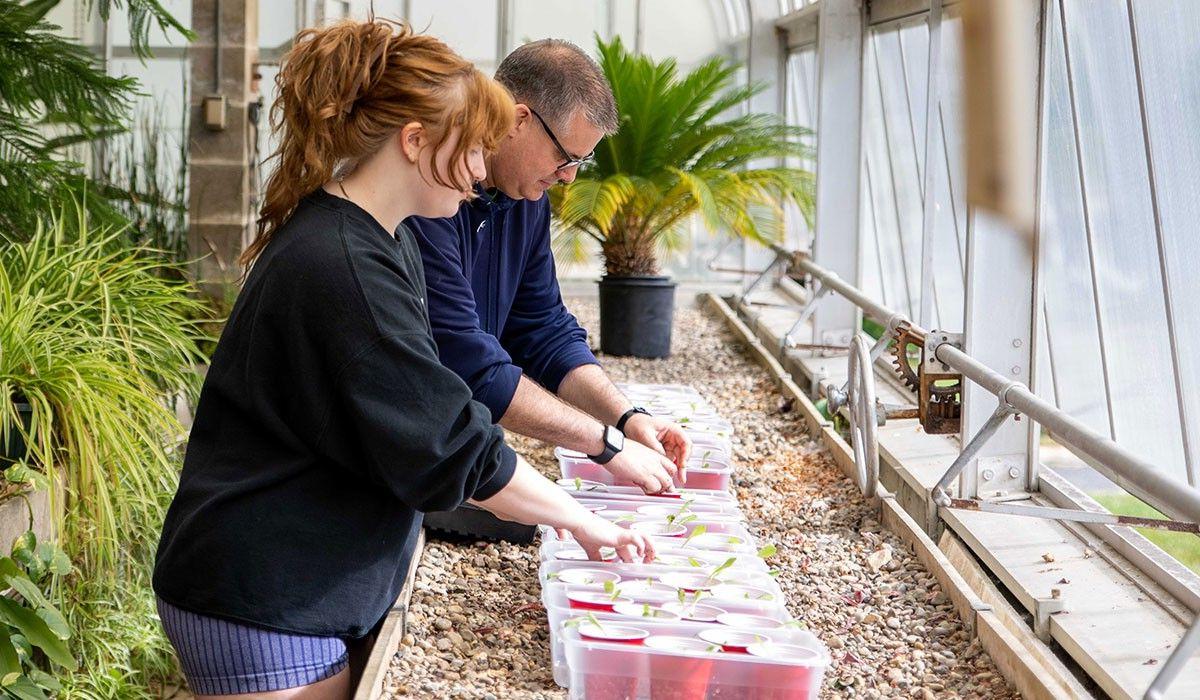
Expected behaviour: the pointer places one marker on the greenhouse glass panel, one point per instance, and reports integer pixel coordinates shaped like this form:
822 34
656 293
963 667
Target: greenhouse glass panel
1124 245
1170 61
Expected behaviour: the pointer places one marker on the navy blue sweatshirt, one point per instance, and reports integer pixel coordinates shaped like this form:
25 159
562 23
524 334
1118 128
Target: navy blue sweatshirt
325 427
494 302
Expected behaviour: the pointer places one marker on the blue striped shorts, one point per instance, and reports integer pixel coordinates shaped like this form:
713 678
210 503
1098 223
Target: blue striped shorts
219 657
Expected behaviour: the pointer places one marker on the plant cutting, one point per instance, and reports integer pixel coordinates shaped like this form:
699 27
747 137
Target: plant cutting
715 573
697 531
687 582
679 153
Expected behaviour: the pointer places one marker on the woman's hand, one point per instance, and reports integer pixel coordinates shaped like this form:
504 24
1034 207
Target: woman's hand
596 532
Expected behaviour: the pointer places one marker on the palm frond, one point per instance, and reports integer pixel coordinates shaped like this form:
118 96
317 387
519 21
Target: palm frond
682 150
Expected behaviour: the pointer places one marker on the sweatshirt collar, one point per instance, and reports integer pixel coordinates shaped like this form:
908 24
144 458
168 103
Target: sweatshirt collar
492 199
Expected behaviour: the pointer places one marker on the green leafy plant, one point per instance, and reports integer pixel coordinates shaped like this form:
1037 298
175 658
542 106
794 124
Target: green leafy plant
679 152
95 341
29 621
54 99
767 551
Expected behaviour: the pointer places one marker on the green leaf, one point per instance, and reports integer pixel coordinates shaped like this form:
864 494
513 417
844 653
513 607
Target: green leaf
45 680
696 532
9 661
25 689
767 551
728 563
37 632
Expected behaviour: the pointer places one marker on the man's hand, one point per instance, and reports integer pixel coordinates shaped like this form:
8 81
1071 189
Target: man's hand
647 469
662 436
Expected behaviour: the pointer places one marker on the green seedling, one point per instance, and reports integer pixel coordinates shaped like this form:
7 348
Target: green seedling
767 551
552 576
696 532
590 618
695 562
713 576
578 484
611 589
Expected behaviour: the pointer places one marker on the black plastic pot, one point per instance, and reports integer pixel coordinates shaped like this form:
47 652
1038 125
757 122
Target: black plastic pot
635 315
14 448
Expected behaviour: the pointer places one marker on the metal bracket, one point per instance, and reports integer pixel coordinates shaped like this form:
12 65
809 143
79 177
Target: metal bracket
818 293
763 275
1000 476
1002 413
1043 608
1070 514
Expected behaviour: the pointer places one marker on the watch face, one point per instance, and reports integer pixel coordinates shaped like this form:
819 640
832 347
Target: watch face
615 438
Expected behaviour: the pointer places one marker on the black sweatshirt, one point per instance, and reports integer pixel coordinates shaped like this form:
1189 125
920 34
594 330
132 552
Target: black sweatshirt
325 427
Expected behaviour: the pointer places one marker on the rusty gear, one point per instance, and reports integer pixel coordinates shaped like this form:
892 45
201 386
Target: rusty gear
900 359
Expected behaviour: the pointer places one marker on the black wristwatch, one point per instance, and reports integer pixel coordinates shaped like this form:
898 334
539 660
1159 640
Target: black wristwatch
614 442
629 414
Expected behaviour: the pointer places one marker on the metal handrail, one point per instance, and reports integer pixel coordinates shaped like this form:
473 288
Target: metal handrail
1129 471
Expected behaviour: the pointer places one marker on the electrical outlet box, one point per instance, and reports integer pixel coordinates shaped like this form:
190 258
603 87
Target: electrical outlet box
214 110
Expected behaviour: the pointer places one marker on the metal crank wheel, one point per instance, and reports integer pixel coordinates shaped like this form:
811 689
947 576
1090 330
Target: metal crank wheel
863 413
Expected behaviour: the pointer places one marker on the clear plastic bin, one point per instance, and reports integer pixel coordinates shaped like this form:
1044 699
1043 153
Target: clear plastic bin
608 671
608 494
710 479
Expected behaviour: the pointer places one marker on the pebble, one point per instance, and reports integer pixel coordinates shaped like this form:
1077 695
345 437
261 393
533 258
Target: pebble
475 629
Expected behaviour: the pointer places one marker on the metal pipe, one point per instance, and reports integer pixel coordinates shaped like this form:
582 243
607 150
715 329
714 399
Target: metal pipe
1122 467
831 280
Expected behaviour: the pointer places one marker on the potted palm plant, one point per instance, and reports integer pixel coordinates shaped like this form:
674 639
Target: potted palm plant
683 150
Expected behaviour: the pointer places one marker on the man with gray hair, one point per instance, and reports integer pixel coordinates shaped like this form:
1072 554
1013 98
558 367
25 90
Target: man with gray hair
494 303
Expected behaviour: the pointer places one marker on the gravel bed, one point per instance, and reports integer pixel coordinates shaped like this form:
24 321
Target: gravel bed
477 629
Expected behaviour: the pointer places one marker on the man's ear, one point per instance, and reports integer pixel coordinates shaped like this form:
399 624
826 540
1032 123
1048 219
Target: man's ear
524 117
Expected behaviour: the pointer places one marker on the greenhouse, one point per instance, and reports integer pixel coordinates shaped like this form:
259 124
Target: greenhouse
601 349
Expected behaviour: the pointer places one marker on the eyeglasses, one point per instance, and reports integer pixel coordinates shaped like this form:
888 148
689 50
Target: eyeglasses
571 161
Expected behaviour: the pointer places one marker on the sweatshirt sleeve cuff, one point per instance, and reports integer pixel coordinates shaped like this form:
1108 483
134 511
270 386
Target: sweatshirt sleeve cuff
501 477
498 393
577 355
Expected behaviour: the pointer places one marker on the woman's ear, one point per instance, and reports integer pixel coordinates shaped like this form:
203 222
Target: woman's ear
412 140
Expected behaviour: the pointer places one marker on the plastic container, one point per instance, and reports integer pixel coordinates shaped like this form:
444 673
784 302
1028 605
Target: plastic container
790 671
734 641
670 559
604 667
712 479
682 670
594 601
601 683
586 577
632 493
645 611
